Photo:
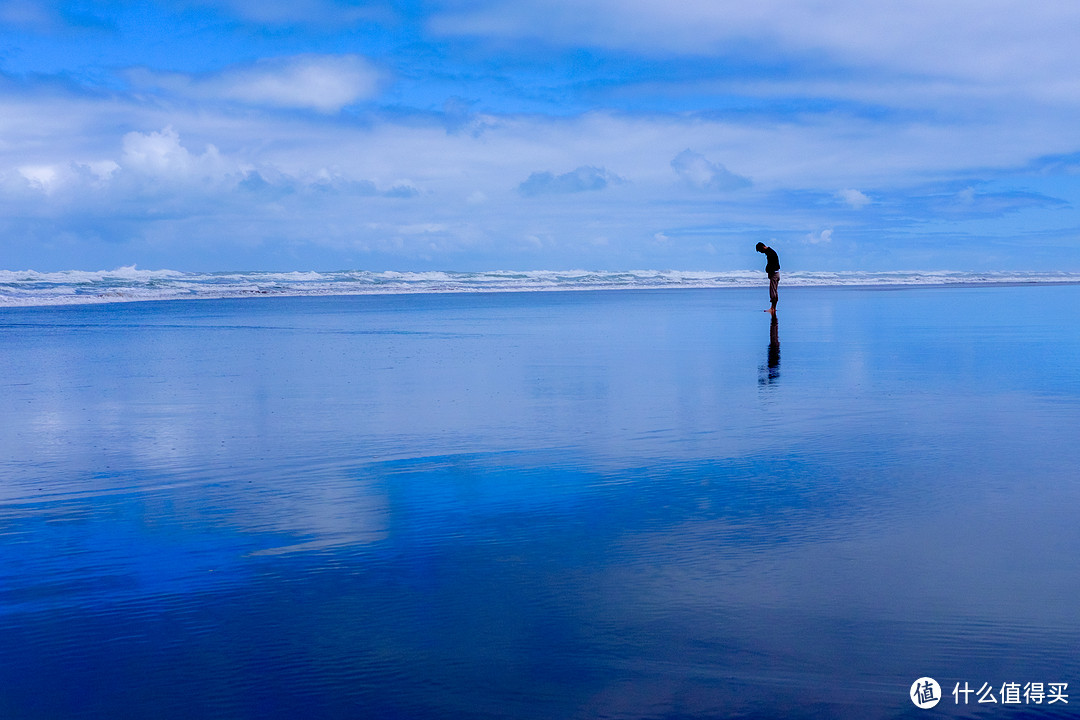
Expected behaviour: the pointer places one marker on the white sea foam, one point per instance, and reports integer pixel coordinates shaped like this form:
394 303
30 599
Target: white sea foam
129 284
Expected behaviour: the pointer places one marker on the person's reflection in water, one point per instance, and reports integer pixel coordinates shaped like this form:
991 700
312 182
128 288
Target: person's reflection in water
770 372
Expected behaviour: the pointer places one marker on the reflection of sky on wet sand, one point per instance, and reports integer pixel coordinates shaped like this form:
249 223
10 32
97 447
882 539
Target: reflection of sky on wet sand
541 505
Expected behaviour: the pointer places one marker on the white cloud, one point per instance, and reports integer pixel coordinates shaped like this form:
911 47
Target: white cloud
325 83
854 198
208 144
161 154
102 169
41 177
1014 45
696 171
821 238
327 185
582 179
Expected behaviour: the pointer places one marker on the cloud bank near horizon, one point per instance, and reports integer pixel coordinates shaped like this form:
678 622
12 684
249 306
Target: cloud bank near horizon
475 135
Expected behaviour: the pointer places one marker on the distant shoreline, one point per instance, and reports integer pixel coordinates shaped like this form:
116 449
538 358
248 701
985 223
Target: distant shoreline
33 289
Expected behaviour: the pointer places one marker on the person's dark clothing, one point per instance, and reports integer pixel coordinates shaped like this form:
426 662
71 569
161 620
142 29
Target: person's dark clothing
773 261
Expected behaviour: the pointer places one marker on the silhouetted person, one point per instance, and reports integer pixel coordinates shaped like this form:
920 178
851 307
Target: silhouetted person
772 268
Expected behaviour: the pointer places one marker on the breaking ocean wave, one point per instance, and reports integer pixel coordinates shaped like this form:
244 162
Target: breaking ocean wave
127 284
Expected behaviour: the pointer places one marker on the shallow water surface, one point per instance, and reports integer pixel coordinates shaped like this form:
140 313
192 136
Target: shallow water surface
632 504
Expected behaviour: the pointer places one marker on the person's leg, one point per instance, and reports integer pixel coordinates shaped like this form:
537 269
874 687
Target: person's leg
774 292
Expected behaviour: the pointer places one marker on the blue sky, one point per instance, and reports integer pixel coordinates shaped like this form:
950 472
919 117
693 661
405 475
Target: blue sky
539 134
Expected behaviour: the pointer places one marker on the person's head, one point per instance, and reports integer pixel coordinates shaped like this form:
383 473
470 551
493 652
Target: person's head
760 247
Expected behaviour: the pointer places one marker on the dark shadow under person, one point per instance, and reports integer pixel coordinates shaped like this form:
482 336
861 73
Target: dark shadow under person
770 371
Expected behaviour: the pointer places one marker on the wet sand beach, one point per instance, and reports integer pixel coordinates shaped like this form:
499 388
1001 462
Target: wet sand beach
620 504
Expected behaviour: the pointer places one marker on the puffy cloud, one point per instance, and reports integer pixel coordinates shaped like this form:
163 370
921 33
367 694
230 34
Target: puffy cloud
333 189
325 83
582 179
160 154
53 179
696 171
159 164
854 198
43 177
821 238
